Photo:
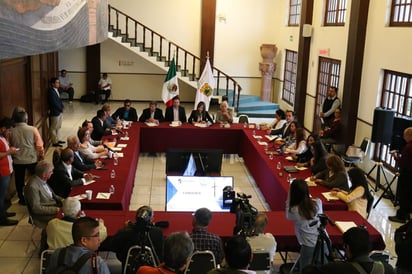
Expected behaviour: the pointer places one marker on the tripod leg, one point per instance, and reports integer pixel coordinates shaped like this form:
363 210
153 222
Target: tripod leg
369 173
392 196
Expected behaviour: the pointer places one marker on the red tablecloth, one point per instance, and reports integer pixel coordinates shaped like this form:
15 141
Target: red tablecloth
222 224
124 180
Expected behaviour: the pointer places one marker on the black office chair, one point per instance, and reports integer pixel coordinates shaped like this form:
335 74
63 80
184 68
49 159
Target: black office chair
201 262
355 155
44 260
261 261
243 118
137 257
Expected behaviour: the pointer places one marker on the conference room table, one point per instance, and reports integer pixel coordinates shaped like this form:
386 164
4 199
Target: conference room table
222 224
124 179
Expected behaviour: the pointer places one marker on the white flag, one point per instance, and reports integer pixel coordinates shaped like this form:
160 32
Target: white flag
205 86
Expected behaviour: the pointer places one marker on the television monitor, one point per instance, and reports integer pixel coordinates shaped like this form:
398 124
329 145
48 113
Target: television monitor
188 193
207 161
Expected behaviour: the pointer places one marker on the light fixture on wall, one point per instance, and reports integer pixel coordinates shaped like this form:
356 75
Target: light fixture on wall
221 18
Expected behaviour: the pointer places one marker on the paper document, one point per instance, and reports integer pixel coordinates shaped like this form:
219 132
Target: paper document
344 226
262 143
328 196
309 182
116 149
89 182
257 137
80 196
124 138
122 145
103 195
120 154
151 124
272 137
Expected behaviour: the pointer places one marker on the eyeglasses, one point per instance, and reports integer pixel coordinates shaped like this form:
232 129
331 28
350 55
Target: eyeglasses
93 236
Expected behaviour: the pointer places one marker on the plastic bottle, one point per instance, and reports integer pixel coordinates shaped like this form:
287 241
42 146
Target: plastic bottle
289 178
254 132
278 166
126 134
113 174
244 125
115 159
111 189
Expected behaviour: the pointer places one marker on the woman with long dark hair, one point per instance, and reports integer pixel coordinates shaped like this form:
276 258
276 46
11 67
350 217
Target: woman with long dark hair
358 195
200 115
303 211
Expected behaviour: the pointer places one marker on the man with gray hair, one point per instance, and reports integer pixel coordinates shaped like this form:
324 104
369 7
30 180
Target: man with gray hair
202 239
30 144
59 230
80 161
261 241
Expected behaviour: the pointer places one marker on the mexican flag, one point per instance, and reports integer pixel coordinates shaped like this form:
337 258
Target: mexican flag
171 85
205 86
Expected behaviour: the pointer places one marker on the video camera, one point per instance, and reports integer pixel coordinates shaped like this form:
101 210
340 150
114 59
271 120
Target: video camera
245 214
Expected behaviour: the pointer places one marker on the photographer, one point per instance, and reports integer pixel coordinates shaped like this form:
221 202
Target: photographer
303 210
142 233
403 248
356 243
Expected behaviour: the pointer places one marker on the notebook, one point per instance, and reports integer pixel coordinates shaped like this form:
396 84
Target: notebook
344 226
290 169
328 196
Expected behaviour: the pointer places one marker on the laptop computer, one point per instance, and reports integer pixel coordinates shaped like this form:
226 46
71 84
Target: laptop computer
290 169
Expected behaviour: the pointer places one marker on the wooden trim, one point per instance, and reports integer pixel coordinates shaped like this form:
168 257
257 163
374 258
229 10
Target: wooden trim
207 43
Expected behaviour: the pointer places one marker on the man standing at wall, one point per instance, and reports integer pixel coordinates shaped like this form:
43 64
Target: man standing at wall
331 103
55 111
30 144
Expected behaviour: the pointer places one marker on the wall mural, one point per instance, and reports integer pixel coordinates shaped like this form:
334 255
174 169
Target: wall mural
29 27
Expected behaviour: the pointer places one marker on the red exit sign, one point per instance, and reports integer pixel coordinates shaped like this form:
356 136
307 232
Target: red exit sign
324 52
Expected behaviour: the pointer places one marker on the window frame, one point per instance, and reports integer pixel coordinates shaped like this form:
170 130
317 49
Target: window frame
289 76
294 13
396 9
337 12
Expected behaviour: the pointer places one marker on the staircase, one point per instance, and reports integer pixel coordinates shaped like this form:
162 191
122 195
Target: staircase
159 51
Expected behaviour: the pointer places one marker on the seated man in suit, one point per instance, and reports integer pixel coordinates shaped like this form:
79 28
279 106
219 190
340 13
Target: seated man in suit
59 230
65 176
81 162
152 114
42 202
98 124
175 112
285 130
126 113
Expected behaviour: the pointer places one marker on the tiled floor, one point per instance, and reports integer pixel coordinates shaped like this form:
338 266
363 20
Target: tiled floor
18 254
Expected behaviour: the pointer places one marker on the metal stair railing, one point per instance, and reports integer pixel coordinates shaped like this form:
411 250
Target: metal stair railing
188 64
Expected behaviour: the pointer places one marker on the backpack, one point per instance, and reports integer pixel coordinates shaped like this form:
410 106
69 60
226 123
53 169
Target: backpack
377 268
62 268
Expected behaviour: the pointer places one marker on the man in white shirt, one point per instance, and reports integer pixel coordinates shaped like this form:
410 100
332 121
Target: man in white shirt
66 85
104 87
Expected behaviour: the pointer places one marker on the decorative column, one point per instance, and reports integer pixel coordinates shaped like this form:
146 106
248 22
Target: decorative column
267 67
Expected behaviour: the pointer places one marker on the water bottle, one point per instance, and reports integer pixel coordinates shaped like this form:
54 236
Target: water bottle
126 134
278 166
244 125
271 156
254 132
113 174
289 178
115 159
111 189
82 214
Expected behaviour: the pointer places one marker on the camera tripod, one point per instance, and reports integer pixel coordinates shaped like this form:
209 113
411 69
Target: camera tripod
323 241
388 188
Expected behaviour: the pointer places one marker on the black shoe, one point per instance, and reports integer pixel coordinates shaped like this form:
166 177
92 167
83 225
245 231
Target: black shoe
10 214
61 142
9 222
22 202
396 219
57 145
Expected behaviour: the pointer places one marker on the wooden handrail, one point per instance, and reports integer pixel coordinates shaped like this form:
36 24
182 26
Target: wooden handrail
130 29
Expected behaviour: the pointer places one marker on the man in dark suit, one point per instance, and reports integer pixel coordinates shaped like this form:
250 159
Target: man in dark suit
126 113
80 161
65 176
175 112
98 126
55 111
284 130
42 202
152 114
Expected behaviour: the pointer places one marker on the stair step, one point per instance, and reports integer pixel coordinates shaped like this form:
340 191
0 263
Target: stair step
258 113
257 105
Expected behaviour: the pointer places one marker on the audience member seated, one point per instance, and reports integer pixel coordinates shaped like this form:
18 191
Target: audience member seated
178 247
66 85
303 159
285 130
290 138
299 146
98 126
86 239
141 232
104 86
81 162
261 241
317 163
87 149
303 211
358 196
175 112
200 115
357 247
202 239
65 176
109 122
42 202
89 126
59 230
224 115
332 134
403 248
335 176
152 114
238 255
126 113
280 120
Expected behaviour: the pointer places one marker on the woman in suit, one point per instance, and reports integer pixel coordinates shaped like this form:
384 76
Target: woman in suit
200 115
